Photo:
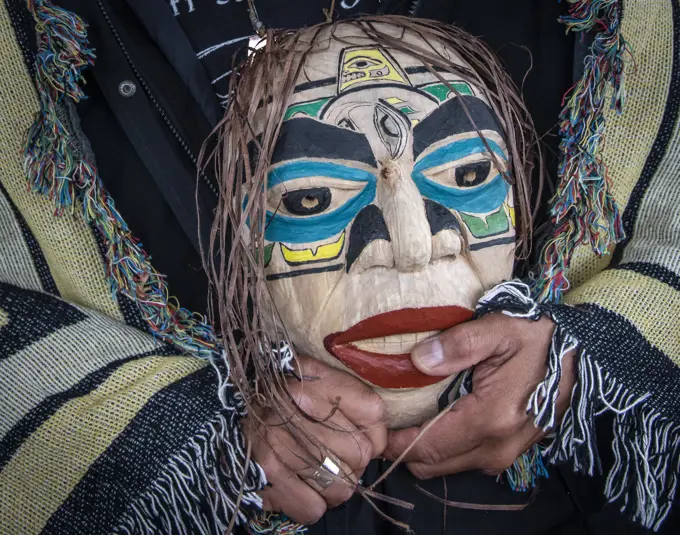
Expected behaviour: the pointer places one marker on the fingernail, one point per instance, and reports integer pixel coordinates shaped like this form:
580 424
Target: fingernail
428 355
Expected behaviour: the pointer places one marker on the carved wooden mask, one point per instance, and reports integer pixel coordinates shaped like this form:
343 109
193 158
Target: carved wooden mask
388 216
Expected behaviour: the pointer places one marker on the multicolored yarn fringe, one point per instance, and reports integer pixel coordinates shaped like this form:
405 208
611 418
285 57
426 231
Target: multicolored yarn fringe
583 209
267 523
59 165
524 473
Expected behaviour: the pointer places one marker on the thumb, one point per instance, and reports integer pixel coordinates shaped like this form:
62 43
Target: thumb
462 346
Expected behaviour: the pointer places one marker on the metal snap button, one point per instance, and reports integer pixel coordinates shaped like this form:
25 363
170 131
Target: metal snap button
127 88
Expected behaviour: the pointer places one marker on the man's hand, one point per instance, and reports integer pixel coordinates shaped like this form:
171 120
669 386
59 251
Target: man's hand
489 428
352 429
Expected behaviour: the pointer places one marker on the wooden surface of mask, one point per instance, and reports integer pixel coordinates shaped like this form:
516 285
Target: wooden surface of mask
387 215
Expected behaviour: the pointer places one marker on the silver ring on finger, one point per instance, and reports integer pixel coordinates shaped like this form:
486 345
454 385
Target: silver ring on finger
322 476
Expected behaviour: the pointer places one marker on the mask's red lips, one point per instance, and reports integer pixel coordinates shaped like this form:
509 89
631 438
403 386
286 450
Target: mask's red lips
392 371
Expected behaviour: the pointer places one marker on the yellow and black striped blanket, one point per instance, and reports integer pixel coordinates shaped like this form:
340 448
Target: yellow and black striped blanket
116 413
105 426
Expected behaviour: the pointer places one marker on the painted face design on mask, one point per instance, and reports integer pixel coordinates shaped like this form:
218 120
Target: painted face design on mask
387 215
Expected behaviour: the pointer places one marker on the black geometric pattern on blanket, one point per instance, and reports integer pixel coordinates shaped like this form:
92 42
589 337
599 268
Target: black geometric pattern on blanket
609 335
161 427
42 412
655 271
47 315
24 28
180 453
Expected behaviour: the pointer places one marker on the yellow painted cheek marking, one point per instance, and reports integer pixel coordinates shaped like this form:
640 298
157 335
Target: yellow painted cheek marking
323 252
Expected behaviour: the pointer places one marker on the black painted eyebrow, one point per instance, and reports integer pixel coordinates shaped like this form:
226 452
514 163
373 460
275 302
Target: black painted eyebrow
302 137
450 119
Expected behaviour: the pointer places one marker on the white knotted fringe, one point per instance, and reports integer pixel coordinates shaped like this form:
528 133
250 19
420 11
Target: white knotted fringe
646 445
513 298
197 492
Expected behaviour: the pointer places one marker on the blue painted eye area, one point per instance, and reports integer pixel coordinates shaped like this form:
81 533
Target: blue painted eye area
309 201
461 175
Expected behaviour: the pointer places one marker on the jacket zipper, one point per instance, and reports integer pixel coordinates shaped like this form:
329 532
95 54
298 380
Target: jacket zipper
159 108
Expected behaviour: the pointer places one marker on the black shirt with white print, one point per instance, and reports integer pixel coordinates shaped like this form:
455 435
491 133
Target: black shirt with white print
217 29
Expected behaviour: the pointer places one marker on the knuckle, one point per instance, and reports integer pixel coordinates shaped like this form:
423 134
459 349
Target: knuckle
366 447
267 504
469 341
346 493
499 430
312 367
430 454
306 403
465 340
373 406
503 426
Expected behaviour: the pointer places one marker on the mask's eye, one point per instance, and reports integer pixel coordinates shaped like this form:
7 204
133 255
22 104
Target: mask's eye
462 174
472 174
308 201
363 63
465 174
311 196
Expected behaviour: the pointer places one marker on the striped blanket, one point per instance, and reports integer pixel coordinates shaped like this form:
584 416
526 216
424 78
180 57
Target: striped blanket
105 427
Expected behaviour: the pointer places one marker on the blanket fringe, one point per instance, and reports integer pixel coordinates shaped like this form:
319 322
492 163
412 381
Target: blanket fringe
583 208
646 444
527 469
59 165
198 491
274 524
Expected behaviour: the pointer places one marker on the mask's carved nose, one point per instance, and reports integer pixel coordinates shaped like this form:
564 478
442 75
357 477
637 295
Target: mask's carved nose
404 212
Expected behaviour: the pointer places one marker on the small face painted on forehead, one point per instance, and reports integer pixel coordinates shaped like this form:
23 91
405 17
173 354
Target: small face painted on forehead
387 214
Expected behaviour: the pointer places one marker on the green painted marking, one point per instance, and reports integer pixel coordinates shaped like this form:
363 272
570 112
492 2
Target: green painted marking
268 254
311 108
407 109
442 92
496 223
